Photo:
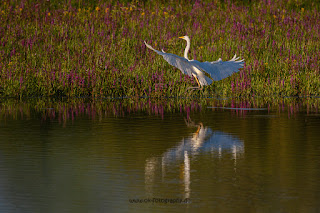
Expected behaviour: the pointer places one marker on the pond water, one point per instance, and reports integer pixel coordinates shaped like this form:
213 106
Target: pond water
149 156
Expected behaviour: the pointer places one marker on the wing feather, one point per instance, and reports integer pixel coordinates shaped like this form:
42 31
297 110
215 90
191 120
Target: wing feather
179 62
219 70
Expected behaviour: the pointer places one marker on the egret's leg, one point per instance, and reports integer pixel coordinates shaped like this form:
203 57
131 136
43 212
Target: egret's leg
199 85
197 81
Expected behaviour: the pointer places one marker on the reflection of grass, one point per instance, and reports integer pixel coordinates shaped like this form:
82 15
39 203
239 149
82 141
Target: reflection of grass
97 50
66 109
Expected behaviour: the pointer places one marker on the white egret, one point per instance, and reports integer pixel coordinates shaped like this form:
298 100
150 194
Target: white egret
217 70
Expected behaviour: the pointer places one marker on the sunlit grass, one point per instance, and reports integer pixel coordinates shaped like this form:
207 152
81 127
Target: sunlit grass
54 49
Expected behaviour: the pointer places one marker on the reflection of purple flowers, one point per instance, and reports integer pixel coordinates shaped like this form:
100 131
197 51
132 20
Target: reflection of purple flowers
100 52
70 109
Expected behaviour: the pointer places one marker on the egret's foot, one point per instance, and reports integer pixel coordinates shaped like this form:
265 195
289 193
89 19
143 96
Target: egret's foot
194 88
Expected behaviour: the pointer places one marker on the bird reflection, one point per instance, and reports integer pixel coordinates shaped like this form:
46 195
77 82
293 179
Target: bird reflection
203 140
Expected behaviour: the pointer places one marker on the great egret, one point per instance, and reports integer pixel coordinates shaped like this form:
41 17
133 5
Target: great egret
217 70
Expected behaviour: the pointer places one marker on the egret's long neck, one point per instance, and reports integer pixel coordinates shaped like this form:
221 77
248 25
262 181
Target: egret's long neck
187 49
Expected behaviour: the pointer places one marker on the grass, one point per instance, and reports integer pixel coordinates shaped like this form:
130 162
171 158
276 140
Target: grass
96 49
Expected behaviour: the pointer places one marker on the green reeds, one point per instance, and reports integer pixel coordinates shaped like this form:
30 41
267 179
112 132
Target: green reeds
77 49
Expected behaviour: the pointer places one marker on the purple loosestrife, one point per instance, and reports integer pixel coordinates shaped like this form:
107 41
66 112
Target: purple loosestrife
88 39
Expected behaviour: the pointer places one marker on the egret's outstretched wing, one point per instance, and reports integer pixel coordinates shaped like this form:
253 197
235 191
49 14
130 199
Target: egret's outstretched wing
184 65
219 70
174 60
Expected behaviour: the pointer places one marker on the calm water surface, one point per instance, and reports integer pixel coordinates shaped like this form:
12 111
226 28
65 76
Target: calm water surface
202 160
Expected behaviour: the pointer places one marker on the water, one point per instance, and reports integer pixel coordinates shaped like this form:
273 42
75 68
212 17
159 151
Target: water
143 157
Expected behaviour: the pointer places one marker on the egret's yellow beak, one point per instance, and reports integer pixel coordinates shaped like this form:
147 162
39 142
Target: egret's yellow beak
181 37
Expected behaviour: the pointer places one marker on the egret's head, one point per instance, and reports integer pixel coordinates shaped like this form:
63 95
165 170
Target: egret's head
185 37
